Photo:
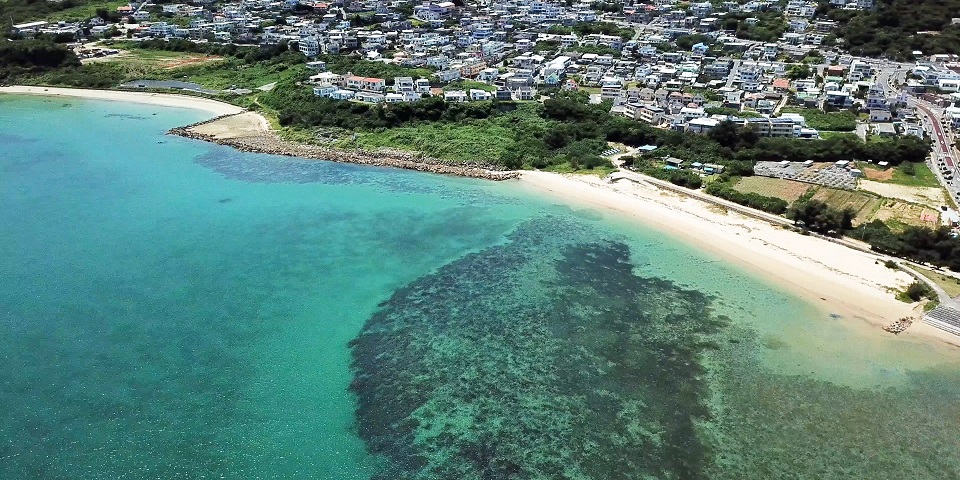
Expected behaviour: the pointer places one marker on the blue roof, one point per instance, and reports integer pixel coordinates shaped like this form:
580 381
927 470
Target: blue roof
647 148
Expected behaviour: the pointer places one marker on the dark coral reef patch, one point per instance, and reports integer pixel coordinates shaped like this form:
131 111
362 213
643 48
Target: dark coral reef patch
543 357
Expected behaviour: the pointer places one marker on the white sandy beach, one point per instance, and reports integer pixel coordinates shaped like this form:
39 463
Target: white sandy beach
837 278
161 99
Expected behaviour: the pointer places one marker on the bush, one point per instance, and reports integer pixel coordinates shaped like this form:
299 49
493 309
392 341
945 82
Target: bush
908 168
918 290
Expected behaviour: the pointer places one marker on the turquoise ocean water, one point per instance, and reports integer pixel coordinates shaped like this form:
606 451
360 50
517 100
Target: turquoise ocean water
171 308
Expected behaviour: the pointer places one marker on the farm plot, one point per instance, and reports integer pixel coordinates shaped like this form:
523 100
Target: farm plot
893 211
864 204
773 187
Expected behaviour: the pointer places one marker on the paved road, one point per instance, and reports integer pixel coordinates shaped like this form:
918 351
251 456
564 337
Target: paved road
939 138
943 150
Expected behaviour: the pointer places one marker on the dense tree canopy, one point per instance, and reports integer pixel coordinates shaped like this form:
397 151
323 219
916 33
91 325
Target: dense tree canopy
820 217
33 56
934 246
895 27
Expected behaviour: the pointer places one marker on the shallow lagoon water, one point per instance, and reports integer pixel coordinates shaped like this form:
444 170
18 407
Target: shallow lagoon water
173 308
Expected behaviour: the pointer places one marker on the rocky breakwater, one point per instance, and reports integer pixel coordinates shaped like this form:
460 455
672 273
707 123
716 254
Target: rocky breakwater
270 143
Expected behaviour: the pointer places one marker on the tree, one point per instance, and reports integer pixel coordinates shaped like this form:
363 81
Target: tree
820 217
798 71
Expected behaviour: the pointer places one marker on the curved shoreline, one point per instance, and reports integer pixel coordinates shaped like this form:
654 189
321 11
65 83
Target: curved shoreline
825 273
147 98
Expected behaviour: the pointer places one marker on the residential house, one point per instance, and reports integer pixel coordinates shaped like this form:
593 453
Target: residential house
404 84
701 125
455 96
524 93
370 97
324 90
479 95
366 84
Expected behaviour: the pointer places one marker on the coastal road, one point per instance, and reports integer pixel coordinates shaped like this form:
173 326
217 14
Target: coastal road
939 137
943 150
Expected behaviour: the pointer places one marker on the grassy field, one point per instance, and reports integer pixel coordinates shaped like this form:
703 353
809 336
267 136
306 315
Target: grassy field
480 141
211 72
565 168
843 121
224 74
467 85
84 12
922 176
868 206
788 190
161 58
949 284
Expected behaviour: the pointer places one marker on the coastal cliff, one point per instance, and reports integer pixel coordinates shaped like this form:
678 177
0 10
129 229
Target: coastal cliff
248 132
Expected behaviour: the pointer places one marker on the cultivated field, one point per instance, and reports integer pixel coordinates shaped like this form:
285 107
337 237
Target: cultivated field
788 190
864 204
894 211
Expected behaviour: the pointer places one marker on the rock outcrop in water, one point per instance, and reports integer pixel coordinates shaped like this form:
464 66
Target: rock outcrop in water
270 143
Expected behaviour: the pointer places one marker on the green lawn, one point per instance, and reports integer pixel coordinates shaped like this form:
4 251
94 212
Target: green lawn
227 73
148 65
466 85
949 284
842 121
922 177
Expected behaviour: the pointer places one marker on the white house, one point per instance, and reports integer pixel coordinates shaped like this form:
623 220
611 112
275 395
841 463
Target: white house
478 95
455 96
325 91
